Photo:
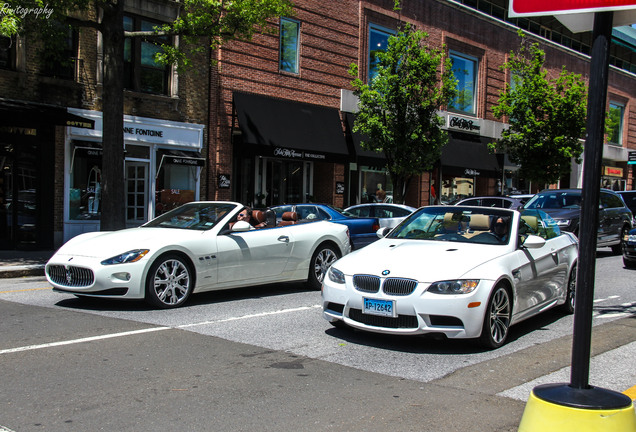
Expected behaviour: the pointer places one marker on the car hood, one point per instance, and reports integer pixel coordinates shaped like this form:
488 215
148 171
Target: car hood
112 243
426 261
563 213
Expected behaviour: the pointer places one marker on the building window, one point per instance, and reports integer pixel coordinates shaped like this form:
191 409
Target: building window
615 123
465 70
7 52
85 179
289 45
378 42
141 72
59 61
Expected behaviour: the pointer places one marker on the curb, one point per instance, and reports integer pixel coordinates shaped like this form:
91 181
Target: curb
8 272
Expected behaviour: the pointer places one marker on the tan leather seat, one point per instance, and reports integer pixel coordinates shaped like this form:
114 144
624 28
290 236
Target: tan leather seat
258 217
289 218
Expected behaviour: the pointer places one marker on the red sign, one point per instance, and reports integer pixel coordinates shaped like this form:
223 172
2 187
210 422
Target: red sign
549 7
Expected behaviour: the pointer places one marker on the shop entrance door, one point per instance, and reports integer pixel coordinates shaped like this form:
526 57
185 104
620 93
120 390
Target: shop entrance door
284 182
18 204
136 193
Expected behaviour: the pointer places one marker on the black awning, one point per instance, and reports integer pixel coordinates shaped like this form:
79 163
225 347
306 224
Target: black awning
29 114
470 154
288 129
362 156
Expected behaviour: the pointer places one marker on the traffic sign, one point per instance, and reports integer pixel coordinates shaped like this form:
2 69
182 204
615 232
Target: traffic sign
553 7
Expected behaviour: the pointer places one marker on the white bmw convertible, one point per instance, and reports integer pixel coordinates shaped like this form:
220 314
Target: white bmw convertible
462 272
197 247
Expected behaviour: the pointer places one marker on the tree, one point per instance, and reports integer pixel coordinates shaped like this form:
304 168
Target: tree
200 24
546 116
398 107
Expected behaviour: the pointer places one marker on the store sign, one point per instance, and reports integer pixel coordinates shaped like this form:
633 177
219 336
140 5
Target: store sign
296 154
340 188
613 171
471 172
181 160
464 124
551 7
224 181
631 158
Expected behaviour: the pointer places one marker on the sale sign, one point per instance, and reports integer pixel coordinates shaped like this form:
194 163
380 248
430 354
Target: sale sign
553 7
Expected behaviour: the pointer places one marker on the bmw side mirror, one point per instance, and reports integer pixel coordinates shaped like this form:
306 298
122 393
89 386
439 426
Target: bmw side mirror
383 232
534 242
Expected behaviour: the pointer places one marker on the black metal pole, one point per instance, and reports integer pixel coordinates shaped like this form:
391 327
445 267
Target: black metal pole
592 164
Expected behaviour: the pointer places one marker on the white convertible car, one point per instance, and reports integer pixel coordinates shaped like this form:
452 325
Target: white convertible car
197 247
462 272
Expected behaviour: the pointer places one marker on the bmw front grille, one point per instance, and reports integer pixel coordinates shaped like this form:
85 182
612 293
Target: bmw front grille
392 286
70 276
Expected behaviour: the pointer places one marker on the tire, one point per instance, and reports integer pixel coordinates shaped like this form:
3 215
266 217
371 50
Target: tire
568 306
629 263
324 256
618 249
170 282
496 324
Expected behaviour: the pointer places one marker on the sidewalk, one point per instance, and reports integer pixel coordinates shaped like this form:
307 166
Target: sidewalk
19 263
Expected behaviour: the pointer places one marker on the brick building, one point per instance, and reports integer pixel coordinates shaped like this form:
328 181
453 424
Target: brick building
264 151
51 130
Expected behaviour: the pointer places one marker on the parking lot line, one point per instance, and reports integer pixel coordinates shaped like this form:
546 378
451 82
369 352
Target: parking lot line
82 340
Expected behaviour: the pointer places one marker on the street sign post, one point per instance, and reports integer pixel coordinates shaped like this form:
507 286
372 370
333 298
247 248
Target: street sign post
578 406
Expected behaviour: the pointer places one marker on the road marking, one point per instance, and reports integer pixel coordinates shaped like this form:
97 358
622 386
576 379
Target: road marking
258 315
23 290
153 329
82 340
631 392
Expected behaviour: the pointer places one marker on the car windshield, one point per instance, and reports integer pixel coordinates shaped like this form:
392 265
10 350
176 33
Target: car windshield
192 216
457 224
555 200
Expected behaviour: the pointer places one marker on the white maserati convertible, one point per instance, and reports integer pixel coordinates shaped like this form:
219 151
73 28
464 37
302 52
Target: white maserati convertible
462 272
197 247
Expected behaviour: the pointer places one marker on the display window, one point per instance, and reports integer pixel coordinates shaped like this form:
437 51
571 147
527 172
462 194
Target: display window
85 181
376 186
176 182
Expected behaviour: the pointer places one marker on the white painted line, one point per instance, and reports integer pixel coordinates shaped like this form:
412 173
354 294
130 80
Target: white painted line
154 329
4 429
258 315
82 340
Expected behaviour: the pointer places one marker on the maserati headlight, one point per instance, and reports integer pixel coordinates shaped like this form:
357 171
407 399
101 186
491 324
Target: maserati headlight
336 275
454 287
126 257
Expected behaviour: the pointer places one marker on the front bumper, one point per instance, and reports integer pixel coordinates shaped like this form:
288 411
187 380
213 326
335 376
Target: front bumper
456 316
87 277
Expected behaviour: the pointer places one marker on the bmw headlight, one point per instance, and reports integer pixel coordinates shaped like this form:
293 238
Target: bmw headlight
631 238
454 287
336 275
126 257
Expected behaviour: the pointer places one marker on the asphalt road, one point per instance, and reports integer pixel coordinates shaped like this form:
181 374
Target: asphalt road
264 359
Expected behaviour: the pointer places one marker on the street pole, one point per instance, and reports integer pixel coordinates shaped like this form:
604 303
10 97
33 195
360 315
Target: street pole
578 406
592 165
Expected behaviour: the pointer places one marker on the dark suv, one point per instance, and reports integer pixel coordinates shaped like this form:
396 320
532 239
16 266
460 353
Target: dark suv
564 205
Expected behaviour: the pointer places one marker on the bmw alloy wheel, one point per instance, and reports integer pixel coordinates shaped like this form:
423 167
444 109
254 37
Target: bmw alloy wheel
497 319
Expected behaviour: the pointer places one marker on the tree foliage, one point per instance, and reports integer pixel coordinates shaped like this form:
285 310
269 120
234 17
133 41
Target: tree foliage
200 25
546 116
398 108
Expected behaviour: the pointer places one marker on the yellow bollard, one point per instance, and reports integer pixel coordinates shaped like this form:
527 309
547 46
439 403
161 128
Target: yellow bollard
561 408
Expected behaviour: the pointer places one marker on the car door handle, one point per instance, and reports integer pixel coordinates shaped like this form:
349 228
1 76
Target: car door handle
283 239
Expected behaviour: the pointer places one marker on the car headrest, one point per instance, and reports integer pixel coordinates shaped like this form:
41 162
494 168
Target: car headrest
258 216
480 222
290 216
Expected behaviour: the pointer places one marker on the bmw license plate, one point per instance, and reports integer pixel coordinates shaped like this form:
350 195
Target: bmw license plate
379 307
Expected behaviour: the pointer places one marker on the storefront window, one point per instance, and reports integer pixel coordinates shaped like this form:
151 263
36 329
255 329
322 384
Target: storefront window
85 182
176 185
376 185
456 188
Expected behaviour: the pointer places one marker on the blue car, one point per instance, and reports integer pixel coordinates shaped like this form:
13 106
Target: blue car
362 230
629 249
